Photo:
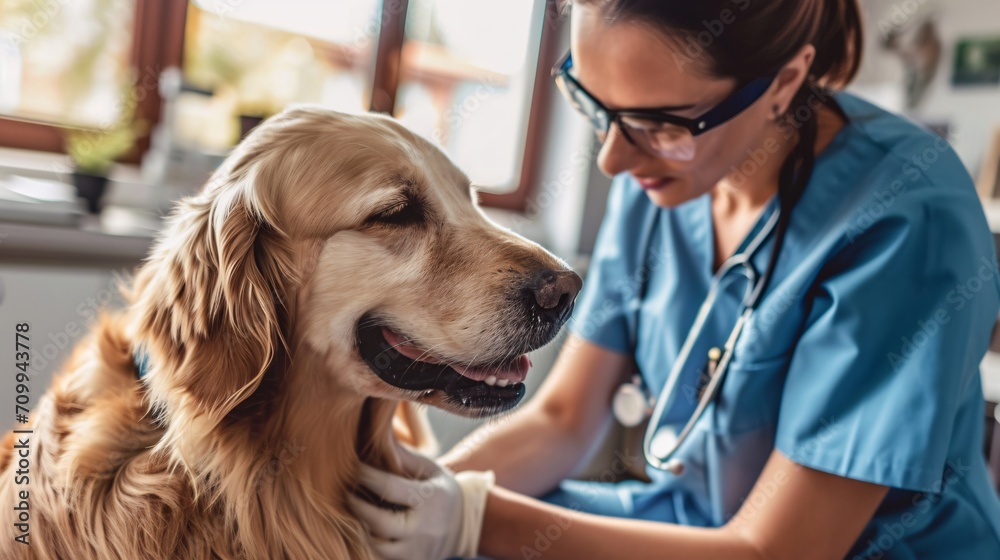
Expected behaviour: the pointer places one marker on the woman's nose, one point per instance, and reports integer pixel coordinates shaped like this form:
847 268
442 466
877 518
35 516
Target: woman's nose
618 155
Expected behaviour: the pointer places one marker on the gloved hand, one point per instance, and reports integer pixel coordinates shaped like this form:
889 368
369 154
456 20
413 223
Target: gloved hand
444 516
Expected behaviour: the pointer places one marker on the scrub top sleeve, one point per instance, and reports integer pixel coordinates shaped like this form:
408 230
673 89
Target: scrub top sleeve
897 325
605 310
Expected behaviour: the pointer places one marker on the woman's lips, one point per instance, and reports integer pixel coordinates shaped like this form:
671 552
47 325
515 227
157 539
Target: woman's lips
655 183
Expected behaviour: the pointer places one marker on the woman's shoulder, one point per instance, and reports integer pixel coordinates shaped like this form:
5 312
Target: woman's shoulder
884 171
889 145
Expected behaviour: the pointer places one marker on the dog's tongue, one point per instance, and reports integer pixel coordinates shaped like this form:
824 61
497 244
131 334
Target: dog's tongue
399 344
514 372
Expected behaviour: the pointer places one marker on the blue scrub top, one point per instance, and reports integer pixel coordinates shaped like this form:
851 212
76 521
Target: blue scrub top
862 360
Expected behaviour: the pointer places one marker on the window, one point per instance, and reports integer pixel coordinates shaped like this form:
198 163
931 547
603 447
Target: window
253 60
65 62
468 70
83 64
462 73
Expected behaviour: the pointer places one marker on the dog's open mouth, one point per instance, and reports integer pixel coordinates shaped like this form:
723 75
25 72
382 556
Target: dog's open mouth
481 388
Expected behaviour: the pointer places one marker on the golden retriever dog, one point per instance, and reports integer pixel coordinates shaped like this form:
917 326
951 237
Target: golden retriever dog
334 267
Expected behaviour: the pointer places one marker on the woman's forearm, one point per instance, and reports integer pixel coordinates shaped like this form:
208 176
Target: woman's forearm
518 527
792 512
532 450
528 451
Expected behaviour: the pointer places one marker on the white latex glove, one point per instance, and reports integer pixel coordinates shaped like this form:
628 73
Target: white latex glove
445 515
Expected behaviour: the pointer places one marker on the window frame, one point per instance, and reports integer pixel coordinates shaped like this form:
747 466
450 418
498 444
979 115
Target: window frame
158 43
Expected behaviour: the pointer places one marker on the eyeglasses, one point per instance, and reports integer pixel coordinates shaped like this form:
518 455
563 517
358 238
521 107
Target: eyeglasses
659 133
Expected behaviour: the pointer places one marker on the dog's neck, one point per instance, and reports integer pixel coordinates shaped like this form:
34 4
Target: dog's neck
319 431
291 455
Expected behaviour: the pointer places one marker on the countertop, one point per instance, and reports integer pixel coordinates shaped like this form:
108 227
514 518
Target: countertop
122 233
97 241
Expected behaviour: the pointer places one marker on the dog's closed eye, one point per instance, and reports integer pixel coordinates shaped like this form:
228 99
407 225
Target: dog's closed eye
406 212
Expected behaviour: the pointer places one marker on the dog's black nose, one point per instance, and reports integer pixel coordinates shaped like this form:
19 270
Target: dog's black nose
552 293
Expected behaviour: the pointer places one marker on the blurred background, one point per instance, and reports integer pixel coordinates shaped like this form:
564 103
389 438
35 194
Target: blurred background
111 110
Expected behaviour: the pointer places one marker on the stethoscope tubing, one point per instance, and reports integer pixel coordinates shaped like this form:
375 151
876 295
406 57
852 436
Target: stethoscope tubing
668 461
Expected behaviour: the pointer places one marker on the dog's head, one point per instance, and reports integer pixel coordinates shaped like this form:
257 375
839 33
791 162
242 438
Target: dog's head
353 238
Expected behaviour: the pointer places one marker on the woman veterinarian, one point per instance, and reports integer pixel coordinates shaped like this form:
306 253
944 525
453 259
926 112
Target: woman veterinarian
849 419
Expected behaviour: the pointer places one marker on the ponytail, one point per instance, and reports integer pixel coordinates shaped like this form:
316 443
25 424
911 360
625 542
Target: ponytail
755 38
839 43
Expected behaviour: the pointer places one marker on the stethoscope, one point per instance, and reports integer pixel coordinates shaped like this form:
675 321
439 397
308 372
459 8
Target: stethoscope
632 403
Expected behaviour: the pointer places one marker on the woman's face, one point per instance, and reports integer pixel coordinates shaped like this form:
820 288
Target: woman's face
627 65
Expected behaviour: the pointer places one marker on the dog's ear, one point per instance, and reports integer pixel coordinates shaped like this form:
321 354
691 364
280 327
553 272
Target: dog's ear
212 301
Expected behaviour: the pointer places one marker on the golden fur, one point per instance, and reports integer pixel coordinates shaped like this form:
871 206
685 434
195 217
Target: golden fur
245 435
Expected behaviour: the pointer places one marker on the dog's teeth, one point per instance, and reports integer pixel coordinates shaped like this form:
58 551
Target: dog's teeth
491 380
502 382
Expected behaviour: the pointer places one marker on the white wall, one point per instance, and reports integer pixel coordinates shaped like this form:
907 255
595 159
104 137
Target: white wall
974 112
59 303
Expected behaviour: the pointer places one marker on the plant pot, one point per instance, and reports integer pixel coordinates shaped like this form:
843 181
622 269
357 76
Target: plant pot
90 188
248 123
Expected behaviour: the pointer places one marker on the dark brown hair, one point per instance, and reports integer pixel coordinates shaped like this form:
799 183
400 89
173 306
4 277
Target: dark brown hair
746 39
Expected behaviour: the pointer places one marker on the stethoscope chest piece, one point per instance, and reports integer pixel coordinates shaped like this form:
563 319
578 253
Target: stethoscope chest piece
631 405
664 444
664 441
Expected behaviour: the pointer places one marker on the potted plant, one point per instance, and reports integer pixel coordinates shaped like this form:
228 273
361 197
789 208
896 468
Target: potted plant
94 152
